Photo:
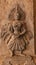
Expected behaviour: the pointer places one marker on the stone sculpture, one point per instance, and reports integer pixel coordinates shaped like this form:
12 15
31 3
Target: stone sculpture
16 36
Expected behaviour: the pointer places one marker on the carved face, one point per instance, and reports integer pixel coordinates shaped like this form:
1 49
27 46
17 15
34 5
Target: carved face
16 26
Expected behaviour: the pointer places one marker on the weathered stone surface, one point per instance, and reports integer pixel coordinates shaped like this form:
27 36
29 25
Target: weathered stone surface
19 60
5 8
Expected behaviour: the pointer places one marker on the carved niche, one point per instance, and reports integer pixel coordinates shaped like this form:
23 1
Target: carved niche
16 36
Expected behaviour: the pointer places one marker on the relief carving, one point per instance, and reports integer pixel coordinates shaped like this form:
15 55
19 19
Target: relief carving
16 35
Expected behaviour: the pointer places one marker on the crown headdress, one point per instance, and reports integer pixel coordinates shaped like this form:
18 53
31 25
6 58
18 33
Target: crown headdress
17 13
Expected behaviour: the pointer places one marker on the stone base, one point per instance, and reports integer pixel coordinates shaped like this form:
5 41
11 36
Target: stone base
19 60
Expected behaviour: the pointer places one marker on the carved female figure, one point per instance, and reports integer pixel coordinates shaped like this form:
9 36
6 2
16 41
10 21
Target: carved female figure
18 31
18 39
